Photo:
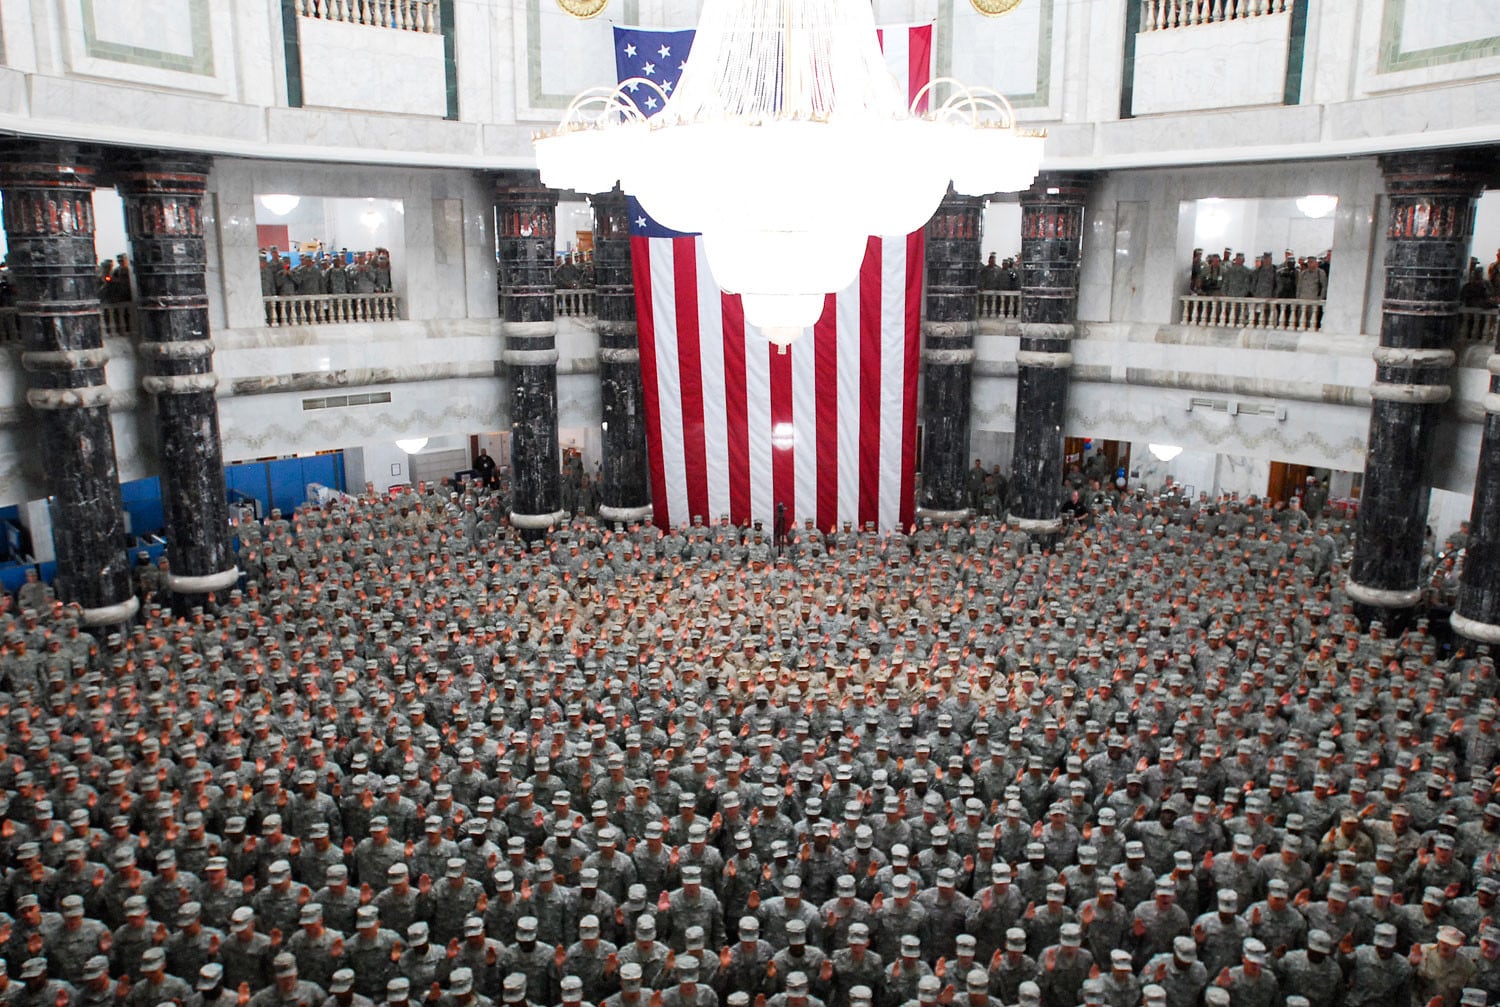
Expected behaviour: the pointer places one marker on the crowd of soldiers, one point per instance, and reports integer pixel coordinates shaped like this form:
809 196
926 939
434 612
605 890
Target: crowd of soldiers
419 759
342 272
1302 277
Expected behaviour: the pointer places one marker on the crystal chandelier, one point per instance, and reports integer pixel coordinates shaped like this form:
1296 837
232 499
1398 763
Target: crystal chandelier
787 144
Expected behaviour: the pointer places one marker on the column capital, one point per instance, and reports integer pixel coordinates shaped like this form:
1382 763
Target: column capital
1059 187
611 215
522 184
156 170
1457 170
24 158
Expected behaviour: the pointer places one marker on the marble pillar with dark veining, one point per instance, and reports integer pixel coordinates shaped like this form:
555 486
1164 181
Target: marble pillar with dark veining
1430 201
950 309
1051 247
625 494
49 227
526 225
1478 613
163 195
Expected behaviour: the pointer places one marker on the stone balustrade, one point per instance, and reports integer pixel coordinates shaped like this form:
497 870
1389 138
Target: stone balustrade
1005 304
1159 15
574 303
1289 314
1478 325
331 309
403 15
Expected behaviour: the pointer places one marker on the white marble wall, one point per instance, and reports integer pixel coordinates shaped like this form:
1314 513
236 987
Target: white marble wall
276 424
1221 65
186 45
1420 43
374 69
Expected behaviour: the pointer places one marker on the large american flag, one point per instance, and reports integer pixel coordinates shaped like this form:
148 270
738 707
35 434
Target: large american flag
734 427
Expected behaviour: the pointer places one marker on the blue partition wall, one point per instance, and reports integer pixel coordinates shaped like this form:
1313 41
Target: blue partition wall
270 484
142 500
283 483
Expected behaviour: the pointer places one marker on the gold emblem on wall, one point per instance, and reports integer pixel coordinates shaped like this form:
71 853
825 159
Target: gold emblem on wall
590 8
995 8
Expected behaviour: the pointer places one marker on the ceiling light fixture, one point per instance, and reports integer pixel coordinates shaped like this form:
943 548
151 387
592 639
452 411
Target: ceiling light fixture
787 144
280 203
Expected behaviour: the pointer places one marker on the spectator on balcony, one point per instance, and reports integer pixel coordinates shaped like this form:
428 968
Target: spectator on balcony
361 276
380 269
1211 280
989 274
1263 279
116 289
1494 276
1010 277
1236 281
286 284
1475 293
335 277
565 275
1311 284
1195 272
307 277
1286 276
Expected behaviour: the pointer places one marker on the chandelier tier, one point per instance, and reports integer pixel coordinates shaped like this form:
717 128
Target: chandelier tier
787 144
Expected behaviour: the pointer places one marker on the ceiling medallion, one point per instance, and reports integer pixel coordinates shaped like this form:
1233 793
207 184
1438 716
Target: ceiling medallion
995 8
584 9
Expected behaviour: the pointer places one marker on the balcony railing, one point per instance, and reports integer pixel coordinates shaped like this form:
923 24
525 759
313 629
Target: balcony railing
1478 325
574 304
999 304
118 321
405 15
1252 313
1158 15
331 309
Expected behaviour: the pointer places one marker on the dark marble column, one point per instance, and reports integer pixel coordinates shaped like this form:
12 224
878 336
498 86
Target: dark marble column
49 226
951 306
163 195
626 494
1051 246
1430 197
1478 613
526 214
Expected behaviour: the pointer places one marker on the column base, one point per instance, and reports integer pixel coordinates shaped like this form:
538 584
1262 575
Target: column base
625 515
204 584
1473 629
940 516
536 522
111 615
1379 597
1035 525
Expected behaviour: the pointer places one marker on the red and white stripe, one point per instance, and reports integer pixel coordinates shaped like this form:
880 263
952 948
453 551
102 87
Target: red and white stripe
735 427
827 428
908 54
